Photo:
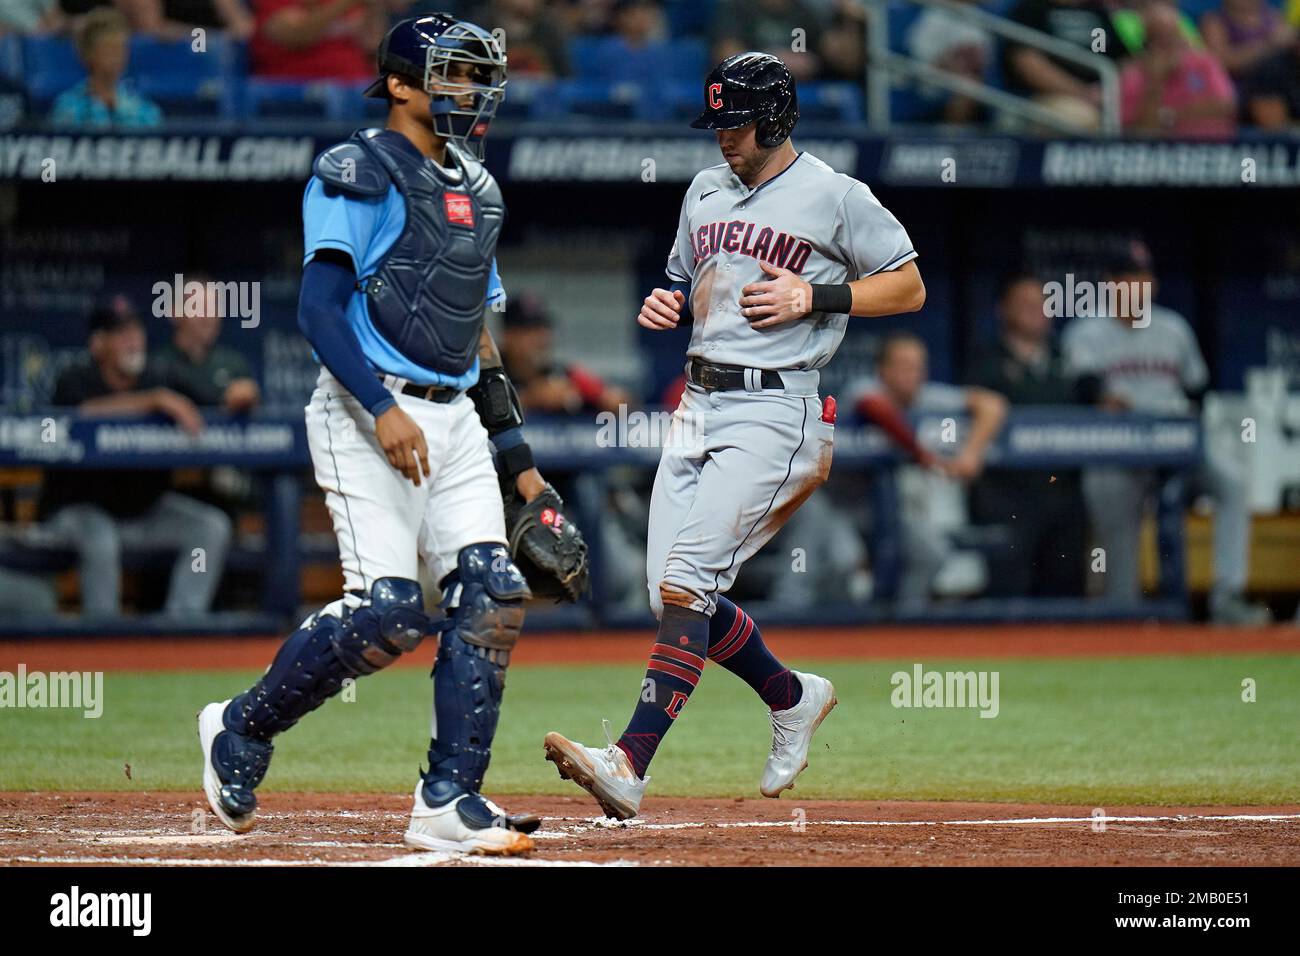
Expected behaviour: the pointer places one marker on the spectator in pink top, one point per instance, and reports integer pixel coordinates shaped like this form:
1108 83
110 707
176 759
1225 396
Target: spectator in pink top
1171 89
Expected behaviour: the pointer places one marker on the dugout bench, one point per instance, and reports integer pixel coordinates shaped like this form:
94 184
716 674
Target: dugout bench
274 449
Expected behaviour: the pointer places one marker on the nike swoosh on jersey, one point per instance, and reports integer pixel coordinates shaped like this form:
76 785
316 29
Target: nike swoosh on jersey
704 196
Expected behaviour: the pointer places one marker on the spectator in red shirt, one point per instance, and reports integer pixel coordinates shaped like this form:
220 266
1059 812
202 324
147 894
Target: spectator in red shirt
317 39
544 385
1172 89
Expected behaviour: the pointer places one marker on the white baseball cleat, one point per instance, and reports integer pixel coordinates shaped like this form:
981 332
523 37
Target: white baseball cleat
210 725
605 774
792 732
469 824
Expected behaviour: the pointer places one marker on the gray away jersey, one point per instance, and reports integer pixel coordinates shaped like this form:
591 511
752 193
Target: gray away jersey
822 225
1153 368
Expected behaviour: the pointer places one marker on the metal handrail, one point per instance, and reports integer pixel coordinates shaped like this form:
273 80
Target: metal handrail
883 63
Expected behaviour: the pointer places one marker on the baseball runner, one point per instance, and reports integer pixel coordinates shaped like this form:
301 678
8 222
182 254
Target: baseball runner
400 229
774 252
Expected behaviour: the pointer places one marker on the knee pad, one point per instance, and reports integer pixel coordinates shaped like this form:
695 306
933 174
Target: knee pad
388 625
484 601
314 660
484 598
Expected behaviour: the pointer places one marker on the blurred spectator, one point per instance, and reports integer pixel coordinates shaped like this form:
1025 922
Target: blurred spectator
1130 26
1152 364
1070 89
317 39
1171 89
1271 96
947 42
29 16
586 17
844 42
544 385
789 29
1245 34
99 513
13 103
23 594
534 37
176 19
638 23
1043 510
931 497
195 364
102 100
1259 48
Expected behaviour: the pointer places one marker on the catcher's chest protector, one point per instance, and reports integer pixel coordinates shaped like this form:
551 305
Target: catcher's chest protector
428 295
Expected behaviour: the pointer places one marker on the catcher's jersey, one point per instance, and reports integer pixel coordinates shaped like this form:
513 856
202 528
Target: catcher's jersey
822 225
1153 368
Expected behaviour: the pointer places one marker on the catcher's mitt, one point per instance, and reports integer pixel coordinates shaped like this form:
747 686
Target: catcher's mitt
547 546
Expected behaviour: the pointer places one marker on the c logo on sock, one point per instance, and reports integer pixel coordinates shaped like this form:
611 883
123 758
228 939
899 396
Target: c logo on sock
676 704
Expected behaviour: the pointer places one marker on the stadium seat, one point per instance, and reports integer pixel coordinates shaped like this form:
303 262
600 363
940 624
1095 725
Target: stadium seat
291 99
50 65
689 17
11 57
901 18
590 97
831 103
181 80
612 60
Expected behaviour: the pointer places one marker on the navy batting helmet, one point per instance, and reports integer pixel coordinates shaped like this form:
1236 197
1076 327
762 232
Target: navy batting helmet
751 88
423 49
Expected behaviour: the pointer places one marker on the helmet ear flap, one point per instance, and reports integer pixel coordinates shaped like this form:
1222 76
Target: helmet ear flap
773 128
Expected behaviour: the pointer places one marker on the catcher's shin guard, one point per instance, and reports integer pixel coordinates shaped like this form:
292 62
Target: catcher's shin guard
484 600
315 659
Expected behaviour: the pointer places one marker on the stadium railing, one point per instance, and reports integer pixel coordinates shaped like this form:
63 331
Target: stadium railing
884 65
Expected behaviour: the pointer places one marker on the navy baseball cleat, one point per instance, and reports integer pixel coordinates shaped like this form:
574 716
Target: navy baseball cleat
233 765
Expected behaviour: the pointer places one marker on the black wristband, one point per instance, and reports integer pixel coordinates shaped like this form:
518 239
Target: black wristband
515 460
836 299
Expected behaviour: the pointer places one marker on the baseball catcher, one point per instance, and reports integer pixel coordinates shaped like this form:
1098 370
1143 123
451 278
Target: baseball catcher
400 227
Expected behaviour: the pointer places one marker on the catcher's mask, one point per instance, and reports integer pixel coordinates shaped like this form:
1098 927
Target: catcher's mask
424 49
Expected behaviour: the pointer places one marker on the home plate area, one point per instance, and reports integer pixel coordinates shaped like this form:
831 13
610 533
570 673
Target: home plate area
306 829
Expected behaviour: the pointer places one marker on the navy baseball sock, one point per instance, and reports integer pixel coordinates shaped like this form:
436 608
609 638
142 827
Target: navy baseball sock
676 661
736 643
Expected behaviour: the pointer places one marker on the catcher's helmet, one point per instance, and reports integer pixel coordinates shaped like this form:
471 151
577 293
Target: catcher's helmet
423 48
748 88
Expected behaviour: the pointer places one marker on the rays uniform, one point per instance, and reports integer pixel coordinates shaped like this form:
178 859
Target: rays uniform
399 268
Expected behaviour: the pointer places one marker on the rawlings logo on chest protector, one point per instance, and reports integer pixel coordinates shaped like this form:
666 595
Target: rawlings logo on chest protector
460 209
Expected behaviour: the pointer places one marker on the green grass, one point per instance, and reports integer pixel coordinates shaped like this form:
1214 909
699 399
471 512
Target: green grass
1103 732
